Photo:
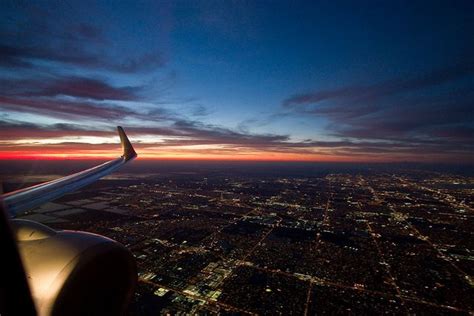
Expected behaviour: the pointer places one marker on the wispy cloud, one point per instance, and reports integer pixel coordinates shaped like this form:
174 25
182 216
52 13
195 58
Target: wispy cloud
74 86
197 139
367 93
424 112
65 109
11 130
81 45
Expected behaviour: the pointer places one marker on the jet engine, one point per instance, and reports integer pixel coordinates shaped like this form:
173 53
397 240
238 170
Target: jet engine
75 273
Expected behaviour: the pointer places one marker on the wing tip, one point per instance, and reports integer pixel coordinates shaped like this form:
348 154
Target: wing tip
128 151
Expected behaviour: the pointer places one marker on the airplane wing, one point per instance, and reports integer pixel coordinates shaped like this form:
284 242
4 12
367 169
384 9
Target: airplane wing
20 201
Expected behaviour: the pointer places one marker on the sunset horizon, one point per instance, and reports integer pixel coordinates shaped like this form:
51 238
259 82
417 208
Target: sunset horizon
240 156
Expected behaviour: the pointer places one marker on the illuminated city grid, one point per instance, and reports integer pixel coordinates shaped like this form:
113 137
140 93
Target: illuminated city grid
376 242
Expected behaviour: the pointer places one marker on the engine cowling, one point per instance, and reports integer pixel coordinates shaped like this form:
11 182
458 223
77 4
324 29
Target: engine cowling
75 273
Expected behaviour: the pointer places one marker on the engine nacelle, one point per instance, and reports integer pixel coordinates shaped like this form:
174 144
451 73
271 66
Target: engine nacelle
75 273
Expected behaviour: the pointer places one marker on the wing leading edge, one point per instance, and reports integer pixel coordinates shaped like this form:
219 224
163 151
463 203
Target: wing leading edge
20 201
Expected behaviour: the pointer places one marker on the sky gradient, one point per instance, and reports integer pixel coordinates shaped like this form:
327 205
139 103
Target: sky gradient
346 81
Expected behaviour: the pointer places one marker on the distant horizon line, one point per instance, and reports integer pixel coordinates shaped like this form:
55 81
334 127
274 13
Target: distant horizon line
147 159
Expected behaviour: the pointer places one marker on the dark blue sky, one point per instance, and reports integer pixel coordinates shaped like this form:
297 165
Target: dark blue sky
328 80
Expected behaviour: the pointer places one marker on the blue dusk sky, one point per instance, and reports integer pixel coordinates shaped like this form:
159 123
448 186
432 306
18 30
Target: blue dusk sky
244 80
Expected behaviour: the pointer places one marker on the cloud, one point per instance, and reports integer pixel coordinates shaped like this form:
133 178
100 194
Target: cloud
43 34
74 86
24 57
386 88
66 109
84 88
462 133
410 120
74 97
188 138
15 130
188 132
224 135
424 113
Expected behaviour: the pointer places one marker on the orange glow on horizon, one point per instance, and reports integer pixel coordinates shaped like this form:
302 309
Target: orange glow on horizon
247 156
217 153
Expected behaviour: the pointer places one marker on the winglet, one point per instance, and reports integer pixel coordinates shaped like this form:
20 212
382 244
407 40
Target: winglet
128 151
